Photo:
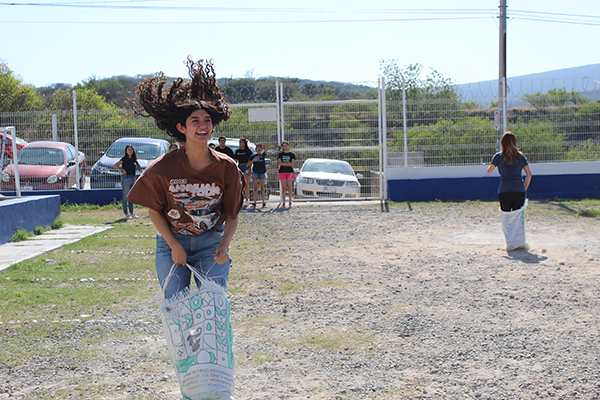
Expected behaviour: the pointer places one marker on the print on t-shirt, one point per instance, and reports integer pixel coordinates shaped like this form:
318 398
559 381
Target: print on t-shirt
199 201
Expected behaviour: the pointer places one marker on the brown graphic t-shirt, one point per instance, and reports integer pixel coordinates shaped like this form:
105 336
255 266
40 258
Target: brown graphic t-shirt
193 202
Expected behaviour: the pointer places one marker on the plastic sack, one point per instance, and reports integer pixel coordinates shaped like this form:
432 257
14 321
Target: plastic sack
199 337
513 226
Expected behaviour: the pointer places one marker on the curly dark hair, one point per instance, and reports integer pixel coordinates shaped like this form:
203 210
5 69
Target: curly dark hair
172 105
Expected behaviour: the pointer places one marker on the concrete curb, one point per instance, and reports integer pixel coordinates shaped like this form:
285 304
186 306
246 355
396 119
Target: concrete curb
15 252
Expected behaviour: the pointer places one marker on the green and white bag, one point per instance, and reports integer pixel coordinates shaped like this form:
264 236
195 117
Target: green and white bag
513 226
199 337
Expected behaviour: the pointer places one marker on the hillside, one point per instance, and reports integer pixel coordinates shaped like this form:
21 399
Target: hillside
584 79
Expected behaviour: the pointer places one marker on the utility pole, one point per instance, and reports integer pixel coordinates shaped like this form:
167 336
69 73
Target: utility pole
502 73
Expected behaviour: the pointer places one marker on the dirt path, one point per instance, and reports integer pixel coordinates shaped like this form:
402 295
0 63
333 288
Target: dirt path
425 303
374 302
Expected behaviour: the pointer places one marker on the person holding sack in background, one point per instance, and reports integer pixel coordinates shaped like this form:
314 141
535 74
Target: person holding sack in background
512 191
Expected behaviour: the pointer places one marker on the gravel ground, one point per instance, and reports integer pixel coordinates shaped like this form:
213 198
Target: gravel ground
373 302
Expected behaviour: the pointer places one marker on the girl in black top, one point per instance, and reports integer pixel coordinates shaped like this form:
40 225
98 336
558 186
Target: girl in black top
259 171
242 155
128 164
285 161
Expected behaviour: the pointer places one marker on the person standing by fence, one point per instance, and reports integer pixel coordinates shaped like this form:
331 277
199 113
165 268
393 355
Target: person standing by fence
242 155
259 172
128 164
285 161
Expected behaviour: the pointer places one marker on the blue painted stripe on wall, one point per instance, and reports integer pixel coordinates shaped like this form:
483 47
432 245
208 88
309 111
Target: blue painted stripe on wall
73 196
477 188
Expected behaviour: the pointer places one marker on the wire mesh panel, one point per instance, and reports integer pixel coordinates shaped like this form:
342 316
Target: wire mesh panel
335 130
552 126
255 122
445 133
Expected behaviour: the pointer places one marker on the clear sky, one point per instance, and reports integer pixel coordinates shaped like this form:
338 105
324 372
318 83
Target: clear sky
69 41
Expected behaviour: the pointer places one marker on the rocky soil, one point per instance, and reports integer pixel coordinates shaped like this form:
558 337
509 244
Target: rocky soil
360 301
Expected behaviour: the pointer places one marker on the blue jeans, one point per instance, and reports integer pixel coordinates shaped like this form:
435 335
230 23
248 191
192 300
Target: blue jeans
127 182
200 250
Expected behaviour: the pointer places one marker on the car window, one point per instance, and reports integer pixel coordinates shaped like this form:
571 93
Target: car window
144 151
70 153
328 167
41 156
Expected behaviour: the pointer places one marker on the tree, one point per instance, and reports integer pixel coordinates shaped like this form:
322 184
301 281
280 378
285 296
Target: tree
432 86
16 95
86 100
428 99
111 89
555 98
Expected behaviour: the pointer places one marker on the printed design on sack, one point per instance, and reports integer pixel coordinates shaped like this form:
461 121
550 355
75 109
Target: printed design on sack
199 201
201 332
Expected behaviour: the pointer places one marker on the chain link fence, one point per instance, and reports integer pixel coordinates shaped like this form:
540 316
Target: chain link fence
419 133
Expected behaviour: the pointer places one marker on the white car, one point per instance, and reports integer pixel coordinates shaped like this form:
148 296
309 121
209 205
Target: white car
320 177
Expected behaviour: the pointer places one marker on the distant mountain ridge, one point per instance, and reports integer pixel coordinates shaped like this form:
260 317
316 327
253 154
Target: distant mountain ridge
584 79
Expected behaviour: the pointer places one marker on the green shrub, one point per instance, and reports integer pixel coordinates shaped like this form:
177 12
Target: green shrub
58 223
20 235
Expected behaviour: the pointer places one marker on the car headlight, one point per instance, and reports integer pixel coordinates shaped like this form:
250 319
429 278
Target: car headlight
52 179
308 181
5 177
101 168
352 184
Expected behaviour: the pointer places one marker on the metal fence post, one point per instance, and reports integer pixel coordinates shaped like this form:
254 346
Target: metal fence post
14 151
77 173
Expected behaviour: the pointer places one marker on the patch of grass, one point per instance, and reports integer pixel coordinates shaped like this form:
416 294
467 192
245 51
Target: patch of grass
90 207
21 235
259 327
113 270
589 213
582 208
341 339
254 359
290 287
58 223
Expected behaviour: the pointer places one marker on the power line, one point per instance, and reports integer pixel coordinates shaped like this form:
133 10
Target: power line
426 14
244 22
124 5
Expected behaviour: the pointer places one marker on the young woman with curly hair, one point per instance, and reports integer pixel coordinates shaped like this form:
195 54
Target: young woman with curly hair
194 194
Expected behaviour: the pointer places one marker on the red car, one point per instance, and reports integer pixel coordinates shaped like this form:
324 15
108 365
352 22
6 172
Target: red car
8 151
46 166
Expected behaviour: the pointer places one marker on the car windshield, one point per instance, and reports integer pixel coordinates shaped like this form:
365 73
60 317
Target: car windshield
144 151
332 167
41 156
